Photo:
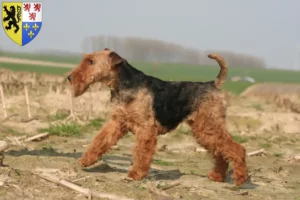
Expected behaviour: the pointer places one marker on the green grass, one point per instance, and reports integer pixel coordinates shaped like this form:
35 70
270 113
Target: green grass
175 72
96 123
57 116
265 145
65 130
239 139
162 163
278 154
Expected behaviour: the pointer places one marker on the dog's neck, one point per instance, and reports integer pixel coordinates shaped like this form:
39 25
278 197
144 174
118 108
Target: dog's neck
127 81
129 77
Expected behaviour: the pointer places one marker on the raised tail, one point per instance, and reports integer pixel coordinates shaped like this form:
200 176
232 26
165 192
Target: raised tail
221 78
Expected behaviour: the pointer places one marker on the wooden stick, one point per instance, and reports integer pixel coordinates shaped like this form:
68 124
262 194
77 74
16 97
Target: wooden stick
256 153
37 137
171 185
27 101
18 142
160 194
3 101
52 170
85 191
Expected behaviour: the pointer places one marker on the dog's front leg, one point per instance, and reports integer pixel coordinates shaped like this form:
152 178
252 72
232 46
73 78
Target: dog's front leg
110 133
143 153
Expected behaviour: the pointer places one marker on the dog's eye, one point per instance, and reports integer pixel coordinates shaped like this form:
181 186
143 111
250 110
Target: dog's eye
91 62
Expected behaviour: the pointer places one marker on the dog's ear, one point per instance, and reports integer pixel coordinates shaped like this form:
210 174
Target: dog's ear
115 59
106 49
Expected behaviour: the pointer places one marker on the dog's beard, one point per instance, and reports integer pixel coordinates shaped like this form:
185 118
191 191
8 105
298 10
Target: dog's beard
80 89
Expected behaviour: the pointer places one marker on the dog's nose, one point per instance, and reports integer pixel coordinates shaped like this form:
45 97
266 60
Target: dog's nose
70 77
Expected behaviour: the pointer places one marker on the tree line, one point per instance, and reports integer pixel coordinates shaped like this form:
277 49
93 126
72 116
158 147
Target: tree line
158 51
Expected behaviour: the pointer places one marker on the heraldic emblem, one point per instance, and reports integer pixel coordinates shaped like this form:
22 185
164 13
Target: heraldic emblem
22 21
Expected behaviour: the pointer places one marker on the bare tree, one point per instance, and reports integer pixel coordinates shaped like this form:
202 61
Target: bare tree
151 50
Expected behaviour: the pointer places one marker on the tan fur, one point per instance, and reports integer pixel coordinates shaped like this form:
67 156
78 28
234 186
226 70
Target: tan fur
221 78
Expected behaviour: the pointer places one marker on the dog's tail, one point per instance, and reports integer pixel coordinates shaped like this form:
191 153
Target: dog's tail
221 78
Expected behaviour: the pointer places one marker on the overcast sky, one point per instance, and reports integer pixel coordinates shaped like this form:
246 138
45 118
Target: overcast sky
266 28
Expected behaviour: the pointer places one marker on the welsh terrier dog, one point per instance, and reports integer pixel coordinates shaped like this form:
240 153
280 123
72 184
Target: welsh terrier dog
148 107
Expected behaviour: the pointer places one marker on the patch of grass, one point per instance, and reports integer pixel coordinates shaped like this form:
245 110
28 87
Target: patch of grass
252 137
239 139
265 145
162 163
65 130
57 116
96 123
17 171
278 154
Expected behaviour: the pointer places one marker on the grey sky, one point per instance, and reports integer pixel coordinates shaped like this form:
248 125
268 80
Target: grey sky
266 28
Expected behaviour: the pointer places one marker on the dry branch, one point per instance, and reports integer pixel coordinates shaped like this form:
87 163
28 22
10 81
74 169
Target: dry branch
84 191
37 137
47 170
27 101
257 153
18 142
155 190
3 102
171 185
72 115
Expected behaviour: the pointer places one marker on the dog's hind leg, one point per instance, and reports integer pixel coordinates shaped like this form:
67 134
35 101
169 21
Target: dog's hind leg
212 134
219 172
109 135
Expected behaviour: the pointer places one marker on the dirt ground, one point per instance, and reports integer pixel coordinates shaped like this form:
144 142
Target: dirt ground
257 123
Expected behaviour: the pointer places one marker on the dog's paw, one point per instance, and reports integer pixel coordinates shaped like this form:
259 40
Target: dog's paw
240 180
136 176
87 161
215 176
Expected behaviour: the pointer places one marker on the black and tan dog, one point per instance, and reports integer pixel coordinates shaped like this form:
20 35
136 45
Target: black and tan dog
148 107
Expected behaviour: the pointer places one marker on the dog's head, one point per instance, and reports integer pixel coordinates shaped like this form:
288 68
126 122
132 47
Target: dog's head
95 67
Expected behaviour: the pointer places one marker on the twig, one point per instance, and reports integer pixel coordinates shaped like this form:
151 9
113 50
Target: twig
27 101
256 153
294 159
72 115
155 190
3 101
29 119
47 170
18 142
37 137
85 191
171 186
